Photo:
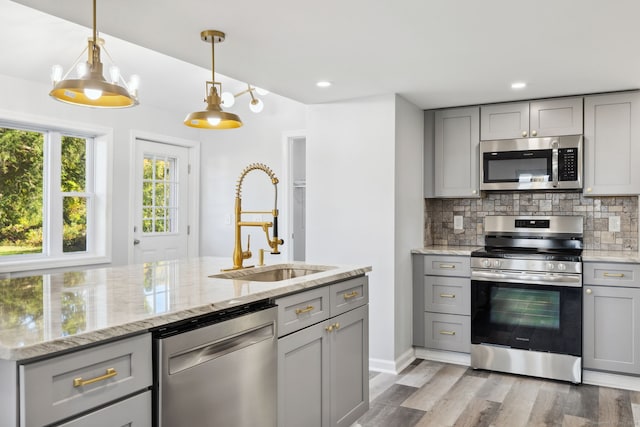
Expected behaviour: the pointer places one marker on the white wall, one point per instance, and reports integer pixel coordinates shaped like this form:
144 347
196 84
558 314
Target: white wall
409 217
225 154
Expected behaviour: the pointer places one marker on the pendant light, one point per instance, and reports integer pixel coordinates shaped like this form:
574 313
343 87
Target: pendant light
255 104
213 117
90 88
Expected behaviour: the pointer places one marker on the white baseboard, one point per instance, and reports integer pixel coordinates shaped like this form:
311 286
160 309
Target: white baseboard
602 379
392 367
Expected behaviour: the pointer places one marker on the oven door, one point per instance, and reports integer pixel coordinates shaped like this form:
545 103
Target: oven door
528 316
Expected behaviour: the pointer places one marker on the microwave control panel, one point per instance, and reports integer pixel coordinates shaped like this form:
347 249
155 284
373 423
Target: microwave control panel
568 164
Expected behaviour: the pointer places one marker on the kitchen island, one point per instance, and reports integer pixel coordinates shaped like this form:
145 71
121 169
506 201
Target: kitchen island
61 316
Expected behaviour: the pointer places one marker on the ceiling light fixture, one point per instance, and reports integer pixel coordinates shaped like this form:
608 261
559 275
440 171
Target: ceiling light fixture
255 104
323 83
90 88
518 85
213 117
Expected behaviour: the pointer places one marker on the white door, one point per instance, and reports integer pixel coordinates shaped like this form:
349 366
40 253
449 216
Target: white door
161 201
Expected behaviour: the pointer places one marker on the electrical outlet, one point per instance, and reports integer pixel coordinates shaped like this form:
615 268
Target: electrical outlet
457 222
614 224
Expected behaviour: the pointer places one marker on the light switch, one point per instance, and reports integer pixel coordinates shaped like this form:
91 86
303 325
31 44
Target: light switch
457 222
614 223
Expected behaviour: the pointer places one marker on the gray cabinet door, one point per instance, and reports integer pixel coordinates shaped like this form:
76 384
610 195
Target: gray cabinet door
303 380
456 152
555 117
504 121
612 144
349 366
611 329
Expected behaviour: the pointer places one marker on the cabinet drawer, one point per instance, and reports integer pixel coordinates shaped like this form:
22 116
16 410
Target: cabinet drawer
447 265
448 332
301 310
132 412
51 390
349 294
595 273
449 295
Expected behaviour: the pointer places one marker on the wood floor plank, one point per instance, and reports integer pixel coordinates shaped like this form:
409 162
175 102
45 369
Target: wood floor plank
517 405
438 386
615 407
547 410
395 395
380 415
497 387
453 403
478 413
635 409
635 397
582 401
572 421
420 374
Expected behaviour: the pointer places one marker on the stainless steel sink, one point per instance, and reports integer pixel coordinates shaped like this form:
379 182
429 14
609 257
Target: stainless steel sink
271 274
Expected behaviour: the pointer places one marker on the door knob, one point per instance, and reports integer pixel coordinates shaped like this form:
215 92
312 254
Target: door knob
136 241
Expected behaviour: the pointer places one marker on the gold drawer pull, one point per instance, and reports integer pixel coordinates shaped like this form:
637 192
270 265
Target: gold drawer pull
330 328
350 295
447 332
620 275
447 266
79 382
447 295
304 310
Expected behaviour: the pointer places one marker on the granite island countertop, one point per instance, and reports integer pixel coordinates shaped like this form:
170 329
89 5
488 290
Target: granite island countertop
49 313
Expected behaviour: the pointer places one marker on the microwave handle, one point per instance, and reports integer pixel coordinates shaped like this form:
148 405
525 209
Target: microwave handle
554 162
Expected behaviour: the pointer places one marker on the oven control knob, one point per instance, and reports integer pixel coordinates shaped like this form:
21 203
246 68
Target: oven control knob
486 263
496 263
550 266
562 267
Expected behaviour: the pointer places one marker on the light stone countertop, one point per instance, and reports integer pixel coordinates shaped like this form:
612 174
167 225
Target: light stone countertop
611 256
445 250
49 313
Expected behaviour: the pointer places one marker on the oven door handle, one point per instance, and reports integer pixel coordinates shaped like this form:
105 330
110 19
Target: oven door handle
554 279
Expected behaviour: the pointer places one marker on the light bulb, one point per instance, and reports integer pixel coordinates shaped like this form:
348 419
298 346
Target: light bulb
261 91
92 93
256 105
82 69
214 121
134 82
56 73
228 99
114 73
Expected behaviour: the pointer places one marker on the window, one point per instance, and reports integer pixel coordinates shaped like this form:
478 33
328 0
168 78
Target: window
52 200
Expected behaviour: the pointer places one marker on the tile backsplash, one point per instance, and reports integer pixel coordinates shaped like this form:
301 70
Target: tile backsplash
596 211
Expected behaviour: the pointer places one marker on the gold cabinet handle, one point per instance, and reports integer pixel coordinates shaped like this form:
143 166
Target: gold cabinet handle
447 295
447 332
79 382
304 310
350 295
337 325
447 266
589 291
330 328
620 275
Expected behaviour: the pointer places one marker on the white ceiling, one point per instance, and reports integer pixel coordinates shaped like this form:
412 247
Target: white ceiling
433 53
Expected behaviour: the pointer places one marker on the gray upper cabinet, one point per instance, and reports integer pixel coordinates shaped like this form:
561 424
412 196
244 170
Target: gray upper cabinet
552 117
612 144
456 152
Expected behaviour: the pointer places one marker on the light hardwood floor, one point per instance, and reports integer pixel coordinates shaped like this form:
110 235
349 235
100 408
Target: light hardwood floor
438 394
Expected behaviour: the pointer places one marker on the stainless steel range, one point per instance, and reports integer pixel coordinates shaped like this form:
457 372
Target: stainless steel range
526 297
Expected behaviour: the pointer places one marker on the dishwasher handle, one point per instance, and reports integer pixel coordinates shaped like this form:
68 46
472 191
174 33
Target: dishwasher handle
202 354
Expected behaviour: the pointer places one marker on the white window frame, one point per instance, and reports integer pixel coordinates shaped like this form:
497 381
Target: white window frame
99 159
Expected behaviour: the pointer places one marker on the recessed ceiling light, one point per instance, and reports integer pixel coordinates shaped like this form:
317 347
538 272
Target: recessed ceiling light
518 85
323 83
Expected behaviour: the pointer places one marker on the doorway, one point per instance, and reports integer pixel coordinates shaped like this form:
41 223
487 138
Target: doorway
163 209
298 194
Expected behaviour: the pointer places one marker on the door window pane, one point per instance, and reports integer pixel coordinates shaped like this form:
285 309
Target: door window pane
159 195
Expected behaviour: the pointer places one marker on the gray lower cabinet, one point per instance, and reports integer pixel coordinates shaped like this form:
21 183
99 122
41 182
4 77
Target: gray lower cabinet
611 328
612 144
441 302
323 377
83 387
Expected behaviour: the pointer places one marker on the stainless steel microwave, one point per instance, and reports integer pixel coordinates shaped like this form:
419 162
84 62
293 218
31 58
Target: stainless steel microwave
531 163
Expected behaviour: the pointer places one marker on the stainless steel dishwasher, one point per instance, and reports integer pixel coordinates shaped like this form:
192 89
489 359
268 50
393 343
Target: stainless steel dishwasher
218 370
